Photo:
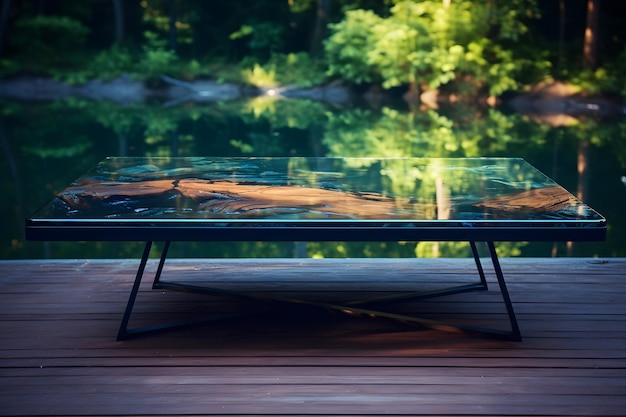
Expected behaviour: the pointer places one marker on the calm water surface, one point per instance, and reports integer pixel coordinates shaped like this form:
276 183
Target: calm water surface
46 146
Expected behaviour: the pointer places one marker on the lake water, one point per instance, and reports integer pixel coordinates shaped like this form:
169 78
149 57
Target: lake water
46 146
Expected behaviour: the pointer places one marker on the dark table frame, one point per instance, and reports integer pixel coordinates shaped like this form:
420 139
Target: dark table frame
151 230
321 232
366 307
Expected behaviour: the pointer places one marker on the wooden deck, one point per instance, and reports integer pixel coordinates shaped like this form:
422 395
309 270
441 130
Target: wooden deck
59 356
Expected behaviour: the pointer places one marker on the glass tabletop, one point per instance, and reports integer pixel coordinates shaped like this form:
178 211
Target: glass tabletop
234 190
202 190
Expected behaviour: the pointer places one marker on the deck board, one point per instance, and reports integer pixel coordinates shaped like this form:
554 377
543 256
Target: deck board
59 356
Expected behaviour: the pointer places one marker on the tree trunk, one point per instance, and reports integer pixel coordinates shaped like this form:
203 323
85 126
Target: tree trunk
4 21
590 48
118 12
321 23
173 32
583 180
561 55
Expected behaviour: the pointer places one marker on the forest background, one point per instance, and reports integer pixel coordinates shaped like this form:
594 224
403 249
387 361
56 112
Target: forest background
465 48
381 78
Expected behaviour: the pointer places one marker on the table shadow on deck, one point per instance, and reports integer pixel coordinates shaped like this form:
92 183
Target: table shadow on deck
58 321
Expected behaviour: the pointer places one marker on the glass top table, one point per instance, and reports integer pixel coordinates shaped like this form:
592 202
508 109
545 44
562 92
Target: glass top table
486 199
318 199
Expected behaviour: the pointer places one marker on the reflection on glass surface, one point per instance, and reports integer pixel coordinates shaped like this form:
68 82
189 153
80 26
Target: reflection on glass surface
227 190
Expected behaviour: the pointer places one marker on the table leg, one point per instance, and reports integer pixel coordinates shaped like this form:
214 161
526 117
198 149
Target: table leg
515 331
126 333
421 295
123 331
352 307
514 334
157 276
479 265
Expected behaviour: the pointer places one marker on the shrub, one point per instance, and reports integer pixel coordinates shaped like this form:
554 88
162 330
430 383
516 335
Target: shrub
44 41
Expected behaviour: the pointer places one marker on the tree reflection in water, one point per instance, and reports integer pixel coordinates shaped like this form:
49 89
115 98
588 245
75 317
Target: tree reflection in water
46 146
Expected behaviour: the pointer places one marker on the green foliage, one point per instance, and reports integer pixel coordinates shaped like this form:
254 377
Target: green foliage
262 38
619 73
281 113
105 65
471 47
121 120
156 62
427 43
510 20
112 62
598 81
392 133
156 17
297 69
443 250
300 6
45 33
71 136
609 78
244 30
260 143
347 47
294 69
244 148
297 114
359 249
195 69
260 76
44 41
10 67
69 151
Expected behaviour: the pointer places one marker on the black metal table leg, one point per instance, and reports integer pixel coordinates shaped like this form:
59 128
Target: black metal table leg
359 307
514 334
157 276
123 332
515 331
126 333
479 265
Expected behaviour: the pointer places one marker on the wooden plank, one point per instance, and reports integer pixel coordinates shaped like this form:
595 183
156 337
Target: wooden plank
315 401
58 355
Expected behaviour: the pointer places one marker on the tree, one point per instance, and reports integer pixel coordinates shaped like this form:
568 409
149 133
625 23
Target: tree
590 48
118 12
4 20
173 32
428 44
320 29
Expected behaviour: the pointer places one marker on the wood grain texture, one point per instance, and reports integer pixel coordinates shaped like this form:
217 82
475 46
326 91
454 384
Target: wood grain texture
233 197
59 357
